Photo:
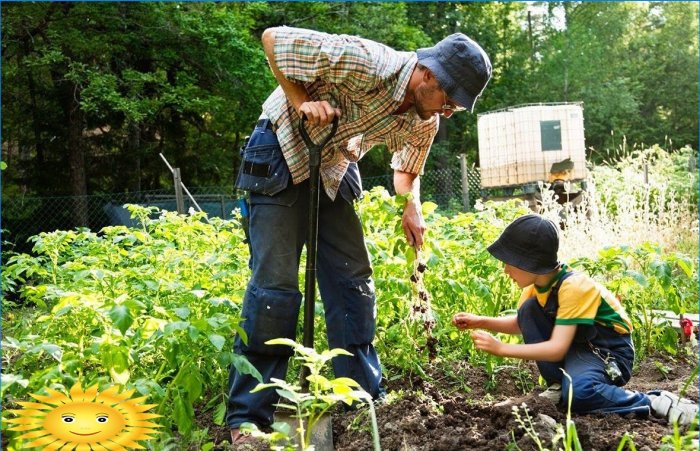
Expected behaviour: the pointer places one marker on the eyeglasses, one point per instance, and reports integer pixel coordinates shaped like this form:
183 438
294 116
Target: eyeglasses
451 108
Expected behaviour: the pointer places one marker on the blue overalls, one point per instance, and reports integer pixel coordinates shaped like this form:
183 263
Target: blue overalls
278 227
593 390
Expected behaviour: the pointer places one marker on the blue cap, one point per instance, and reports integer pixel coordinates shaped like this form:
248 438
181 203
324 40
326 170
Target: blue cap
461 67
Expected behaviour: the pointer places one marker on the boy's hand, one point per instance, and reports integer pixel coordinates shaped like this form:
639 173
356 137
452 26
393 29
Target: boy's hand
465 320
486 342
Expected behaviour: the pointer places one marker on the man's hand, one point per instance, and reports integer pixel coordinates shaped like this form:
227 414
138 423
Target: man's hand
413 224
465 320
319 113
486 342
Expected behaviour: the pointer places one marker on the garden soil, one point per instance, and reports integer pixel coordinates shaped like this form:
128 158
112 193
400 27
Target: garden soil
452 410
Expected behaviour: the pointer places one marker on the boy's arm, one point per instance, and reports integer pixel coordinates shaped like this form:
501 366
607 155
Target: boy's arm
503 325
552 350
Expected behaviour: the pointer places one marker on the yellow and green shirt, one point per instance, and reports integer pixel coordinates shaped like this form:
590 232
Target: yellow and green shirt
582 301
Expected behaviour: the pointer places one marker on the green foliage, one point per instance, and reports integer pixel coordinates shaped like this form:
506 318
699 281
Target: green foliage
153 308
309 407
646 279
671 179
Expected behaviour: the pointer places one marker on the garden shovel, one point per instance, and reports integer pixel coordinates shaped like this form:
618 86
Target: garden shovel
322 435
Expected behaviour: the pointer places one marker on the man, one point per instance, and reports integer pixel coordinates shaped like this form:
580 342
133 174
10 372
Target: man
379 95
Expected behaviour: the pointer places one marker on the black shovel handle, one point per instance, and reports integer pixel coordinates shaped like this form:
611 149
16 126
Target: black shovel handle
312 237
315 148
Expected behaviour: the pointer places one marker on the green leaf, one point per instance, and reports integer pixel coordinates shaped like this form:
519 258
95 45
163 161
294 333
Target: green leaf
199 294
9 379
53 350
245 367
283 341
685 264
428 207
288 394
182 312
282 427
345 381
322 382
218 341
175 326
183 414
220 413
121 318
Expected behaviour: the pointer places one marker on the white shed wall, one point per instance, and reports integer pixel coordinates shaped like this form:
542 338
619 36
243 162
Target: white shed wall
510 145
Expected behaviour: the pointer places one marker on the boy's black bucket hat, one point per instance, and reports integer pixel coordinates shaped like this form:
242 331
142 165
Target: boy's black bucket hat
530 243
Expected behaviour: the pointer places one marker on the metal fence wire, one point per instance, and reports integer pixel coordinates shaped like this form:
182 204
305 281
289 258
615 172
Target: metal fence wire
26 216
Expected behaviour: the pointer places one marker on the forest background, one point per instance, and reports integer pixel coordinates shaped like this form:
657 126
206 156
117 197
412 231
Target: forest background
93 92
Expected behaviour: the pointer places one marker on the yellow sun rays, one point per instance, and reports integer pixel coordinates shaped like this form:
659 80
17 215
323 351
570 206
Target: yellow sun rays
85 420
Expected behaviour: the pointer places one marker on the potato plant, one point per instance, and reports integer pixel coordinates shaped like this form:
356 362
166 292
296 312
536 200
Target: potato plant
156 307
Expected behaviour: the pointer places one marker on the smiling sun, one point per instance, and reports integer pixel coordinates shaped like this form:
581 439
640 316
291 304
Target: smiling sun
85 420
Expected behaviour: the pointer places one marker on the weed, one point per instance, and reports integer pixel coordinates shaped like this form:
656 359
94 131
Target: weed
309 408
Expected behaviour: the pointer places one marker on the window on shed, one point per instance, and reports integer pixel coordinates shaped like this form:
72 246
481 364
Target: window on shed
550 132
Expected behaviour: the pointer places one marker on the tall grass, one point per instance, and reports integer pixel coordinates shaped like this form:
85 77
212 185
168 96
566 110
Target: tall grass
624 206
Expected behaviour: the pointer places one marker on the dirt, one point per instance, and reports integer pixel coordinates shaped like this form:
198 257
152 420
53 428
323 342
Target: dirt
460 408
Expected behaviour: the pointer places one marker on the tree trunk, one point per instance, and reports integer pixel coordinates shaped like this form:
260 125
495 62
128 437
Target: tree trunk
76 155
134 151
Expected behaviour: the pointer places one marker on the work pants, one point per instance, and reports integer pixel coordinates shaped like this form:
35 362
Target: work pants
278 231
592 389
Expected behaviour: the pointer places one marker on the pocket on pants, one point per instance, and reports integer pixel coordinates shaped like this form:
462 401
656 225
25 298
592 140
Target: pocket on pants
263 167
269 314
360 312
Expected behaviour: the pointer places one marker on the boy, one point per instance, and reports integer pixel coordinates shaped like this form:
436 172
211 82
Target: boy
571 323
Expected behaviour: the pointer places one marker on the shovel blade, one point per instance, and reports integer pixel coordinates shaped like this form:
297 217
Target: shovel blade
321 435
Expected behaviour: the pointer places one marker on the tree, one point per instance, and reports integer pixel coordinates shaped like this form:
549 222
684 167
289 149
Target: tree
98 90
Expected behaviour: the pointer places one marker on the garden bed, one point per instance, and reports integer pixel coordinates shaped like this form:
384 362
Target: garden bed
434 413
437 416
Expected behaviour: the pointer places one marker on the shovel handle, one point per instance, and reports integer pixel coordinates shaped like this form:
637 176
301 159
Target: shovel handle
315 148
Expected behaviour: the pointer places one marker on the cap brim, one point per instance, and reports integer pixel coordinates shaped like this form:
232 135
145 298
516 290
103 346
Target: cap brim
501 252
461 98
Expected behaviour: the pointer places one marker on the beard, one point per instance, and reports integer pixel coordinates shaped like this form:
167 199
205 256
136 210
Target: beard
421 93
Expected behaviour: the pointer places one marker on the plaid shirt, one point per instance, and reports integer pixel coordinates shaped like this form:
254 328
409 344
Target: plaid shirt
368 82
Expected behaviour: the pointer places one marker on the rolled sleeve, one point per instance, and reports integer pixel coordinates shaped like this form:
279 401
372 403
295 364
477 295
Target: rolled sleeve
412 155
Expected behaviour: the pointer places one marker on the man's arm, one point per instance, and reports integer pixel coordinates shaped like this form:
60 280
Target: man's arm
412 218
552 350
318 113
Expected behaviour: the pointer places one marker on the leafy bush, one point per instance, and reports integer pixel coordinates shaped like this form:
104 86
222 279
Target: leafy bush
154 308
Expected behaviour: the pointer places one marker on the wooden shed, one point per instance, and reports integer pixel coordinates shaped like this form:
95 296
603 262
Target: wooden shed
522 144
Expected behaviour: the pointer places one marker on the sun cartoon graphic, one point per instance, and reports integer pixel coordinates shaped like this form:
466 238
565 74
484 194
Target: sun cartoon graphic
85 420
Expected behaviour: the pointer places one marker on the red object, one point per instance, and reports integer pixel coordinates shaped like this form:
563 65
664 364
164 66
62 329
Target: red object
687 326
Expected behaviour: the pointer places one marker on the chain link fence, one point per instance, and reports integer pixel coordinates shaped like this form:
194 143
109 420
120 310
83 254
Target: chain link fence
25 216
442 186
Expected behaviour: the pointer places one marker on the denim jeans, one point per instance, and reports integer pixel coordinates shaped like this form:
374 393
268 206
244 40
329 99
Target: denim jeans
278 228
592 389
